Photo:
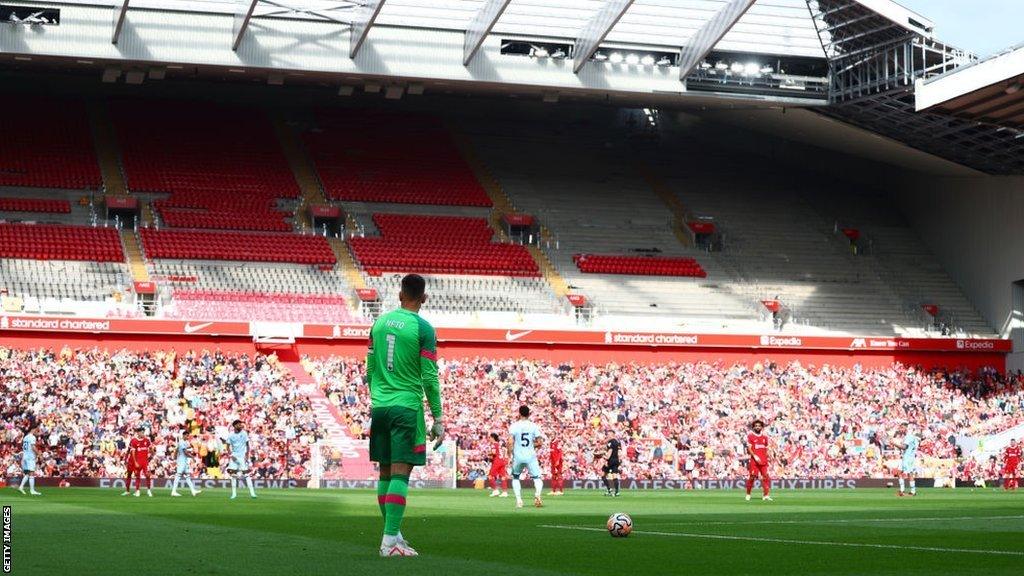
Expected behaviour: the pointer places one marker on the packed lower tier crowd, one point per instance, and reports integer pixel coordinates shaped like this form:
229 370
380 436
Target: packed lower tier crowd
680 421
86 403
674 420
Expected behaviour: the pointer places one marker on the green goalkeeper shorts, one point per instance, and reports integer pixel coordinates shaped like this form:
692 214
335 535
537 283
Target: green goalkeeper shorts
398 434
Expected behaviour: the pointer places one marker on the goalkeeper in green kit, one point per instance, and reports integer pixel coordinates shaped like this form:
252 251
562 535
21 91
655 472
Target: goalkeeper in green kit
401 367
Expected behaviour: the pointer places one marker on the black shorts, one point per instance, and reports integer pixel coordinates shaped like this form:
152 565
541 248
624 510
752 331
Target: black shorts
612 467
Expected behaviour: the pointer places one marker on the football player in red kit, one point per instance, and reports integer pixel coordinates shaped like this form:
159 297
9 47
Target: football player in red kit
129 465
138 453
757 449
557 482
1011 463
499 468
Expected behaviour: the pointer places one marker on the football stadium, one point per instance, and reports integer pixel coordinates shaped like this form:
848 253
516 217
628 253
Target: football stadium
508 287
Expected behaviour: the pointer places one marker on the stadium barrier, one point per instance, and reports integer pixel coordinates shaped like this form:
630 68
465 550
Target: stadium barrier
546 344
577 484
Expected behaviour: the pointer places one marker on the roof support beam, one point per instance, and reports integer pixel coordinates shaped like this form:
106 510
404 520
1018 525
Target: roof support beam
701 44
242 20
119 14
591 36
480 27
361 24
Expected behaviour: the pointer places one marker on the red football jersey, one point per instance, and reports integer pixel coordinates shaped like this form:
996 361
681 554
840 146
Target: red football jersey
499 452
1012 453
759 446
141 447
556 459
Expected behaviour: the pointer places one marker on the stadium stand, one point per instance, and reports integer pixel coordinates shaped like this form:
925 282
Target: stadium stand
439 245
592 202
40 205
32 154
781 244
55 242
61 279
87 402
269 221
671 420
638 265
274 307
250 277
207 150
465 295
383 156
236 246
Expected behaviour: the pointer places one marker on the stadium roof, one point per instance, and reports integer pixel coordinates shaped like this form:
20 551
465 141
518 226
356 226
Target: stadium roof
991 91
769 26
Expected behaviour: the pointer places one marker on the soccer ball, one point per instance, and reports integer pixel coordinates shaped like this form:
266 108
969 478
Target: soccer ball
620 525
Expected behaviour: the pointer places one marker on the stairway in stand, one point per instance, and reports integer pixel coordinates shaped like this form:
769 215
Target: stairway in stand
355 453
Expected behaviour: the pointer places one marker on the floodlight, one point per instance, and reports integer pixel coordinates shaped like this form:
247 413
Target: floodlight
647 60
615 58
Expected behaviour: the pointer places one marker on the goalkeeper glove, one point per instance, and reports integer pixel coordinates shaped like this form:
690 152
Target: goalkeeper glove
437 434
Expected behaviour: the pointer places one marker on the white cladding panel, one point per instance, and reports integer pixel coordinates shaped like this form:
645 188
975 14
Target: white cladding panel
781 27
298 46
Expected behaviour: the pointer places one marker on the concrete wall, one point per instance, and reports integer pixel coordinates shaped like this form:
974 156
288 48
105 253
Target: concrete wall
975 226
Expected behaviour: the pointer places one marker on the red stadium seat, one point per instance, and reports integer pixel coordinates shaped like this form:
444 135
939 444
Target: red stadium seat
56 242
35 205
46 143
205 245
638 265
381 156
439 245
222 165
271 307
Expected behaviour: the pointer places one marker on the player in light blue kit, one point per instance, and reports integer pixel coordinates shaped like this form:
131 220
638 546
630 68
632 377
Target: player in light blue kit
183 469
524 437
239 466
28 461
908 465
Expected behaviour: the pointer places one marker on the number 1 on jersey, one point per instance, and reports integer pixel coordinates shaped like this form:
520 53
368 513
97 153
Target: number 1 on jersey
391 338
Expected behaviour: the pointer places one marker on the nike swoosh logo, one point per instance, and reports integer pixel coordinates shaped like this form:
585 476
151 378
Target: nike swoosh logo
511 336
190 328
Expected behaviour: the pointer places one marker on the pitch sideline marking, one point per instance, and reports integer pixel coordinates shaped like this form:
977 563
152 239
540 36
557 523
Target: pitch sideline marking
805 542
850 520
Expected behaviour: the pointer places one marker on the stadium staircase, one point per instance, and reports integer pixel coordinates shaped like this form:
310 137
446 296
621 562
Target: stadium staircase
346 263
675 205
107 150
503 205
301 165
355 454
133 254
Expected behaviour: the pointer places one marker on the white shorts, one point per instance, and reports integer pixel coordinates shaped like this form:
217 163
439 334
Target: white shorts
532 465
238 465
28 463
908 465
183 468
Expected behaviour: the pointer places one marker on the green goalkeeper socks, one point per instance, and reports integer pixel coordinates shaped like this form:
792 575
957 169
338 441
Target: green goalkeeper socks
394 503
382 491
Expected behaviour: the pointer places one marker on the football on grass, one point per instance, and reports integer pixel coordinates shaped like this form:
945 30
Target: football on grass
620 525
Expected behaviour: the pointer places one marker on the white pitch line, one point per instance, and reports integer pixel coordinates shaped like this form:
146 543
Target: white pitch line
805 542
846 520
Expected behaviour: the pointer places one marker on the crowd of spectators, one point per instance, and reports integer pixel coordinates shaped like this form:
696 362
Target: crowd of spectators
87 403
690 420
674 420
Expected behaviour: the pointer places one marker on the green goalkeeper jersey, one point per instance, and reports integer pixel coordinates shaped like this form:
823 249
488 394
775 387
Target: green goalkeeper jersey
401 363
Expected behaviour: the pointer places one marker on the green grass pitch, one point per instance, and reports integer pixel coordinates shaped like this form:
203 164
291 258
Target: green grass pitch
93 531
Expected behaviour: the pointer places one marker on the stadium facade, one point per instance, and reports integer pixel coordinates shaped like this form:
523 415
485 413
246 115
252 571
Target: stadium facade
848 82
